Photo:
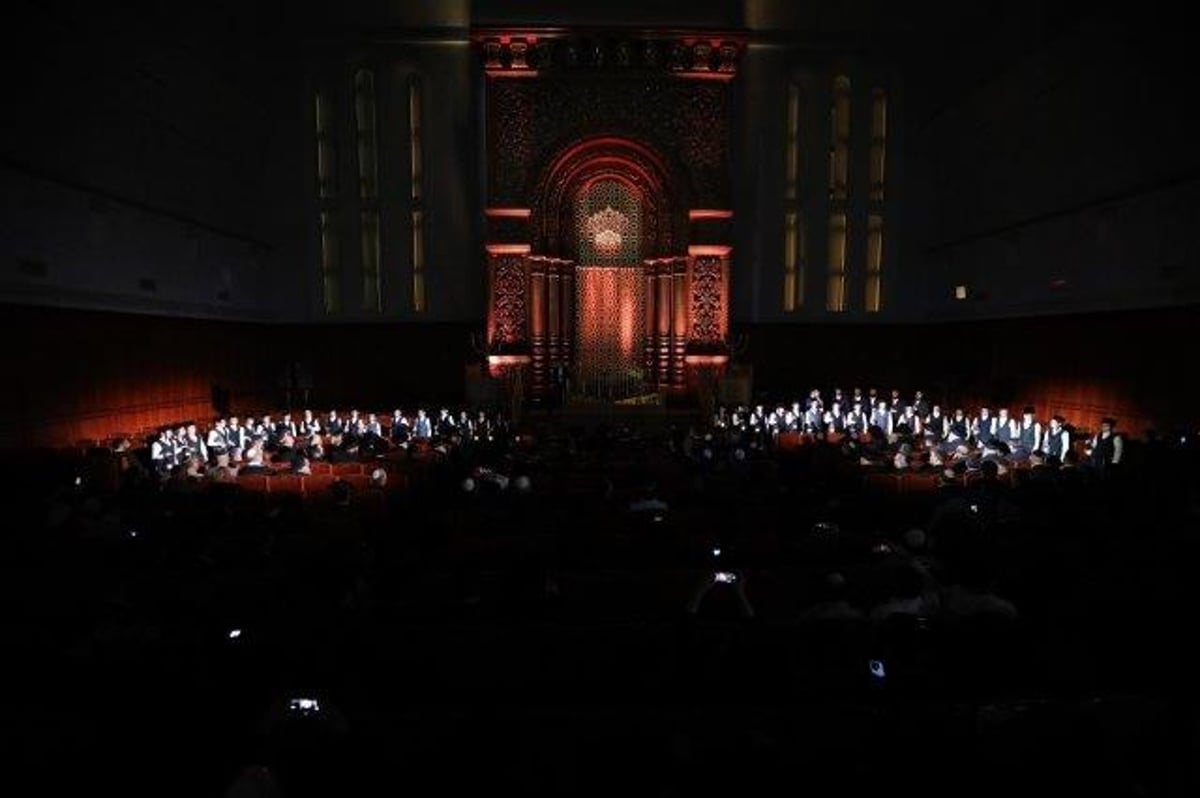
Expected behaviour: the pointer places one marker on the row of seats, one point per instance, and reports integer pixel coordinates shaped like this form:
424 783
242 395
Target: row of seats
314 485
899 483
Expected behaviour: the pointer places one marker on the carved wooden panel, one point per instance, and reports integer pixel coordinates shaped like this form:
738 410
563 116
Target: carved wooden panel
530 120
509 300
708 299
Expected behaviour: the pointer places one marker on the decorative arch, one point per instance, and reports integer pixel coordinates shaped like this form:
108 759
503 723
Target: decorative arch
656 311
609 157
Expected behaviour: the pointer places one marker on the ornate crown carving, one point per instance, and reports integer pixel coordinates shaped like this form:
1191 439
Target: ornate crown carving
607 228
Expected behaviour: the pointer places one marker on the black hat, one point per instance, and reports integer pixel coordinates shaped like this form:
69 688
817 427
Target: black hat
1029 409
1109 420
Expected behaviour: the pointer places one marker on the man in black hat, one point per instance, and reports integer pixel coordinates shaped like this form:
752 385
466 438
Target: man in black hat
1106 447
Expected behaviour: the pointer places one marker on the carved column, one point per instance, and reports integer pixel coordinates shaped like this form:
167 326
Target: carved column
650 347
666 320
538 320
554 311
567 310
679 320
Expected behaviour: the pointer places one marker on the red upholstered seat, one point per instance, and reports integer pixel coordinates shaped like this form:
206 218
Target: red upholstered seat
286 484
359 482
317 485
320 468
925 482
884 482
789 440
347 469
253 482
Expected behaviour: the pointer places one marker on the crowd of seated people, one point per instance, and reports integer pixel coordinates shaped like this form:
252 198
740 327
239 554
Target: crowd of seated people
232 446
911 433
552 562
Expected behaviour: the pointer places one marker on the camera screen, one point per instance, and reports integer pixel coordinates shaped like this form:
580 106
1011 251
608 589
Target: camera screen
304 705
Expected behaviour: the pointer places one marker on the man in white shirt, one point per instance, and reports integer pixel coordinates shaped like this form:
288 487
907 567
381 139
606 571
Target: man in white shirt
1029 435
1057 440
217 443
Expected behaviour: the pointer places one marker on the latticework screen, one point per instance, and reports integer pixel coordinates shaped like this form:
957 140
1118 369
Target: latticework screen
609 302
609 328
608 224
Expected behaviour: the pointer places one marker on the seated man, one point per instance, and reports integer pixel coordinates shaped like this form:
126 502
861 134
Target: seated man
255 459
341 449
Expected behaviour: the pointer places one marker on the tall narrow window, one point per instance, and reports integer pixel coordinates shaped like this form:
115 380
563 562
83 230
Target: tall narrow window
793 141
791 232
794 239
878 142
368 188
839 193
331 272
794 260
835 299
370 260
364 119
416 195
325 147
874 262
839 140
878 163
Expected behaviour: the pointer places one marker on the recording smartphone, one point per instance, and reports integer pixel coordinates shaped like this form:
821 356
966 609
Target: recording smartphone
725 577
304 706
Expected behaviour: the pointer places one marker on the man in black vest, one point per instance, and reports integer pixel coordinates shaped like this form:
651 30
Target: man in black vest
983 429
1058 440
856 420
1106 448
1029 435
921 405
